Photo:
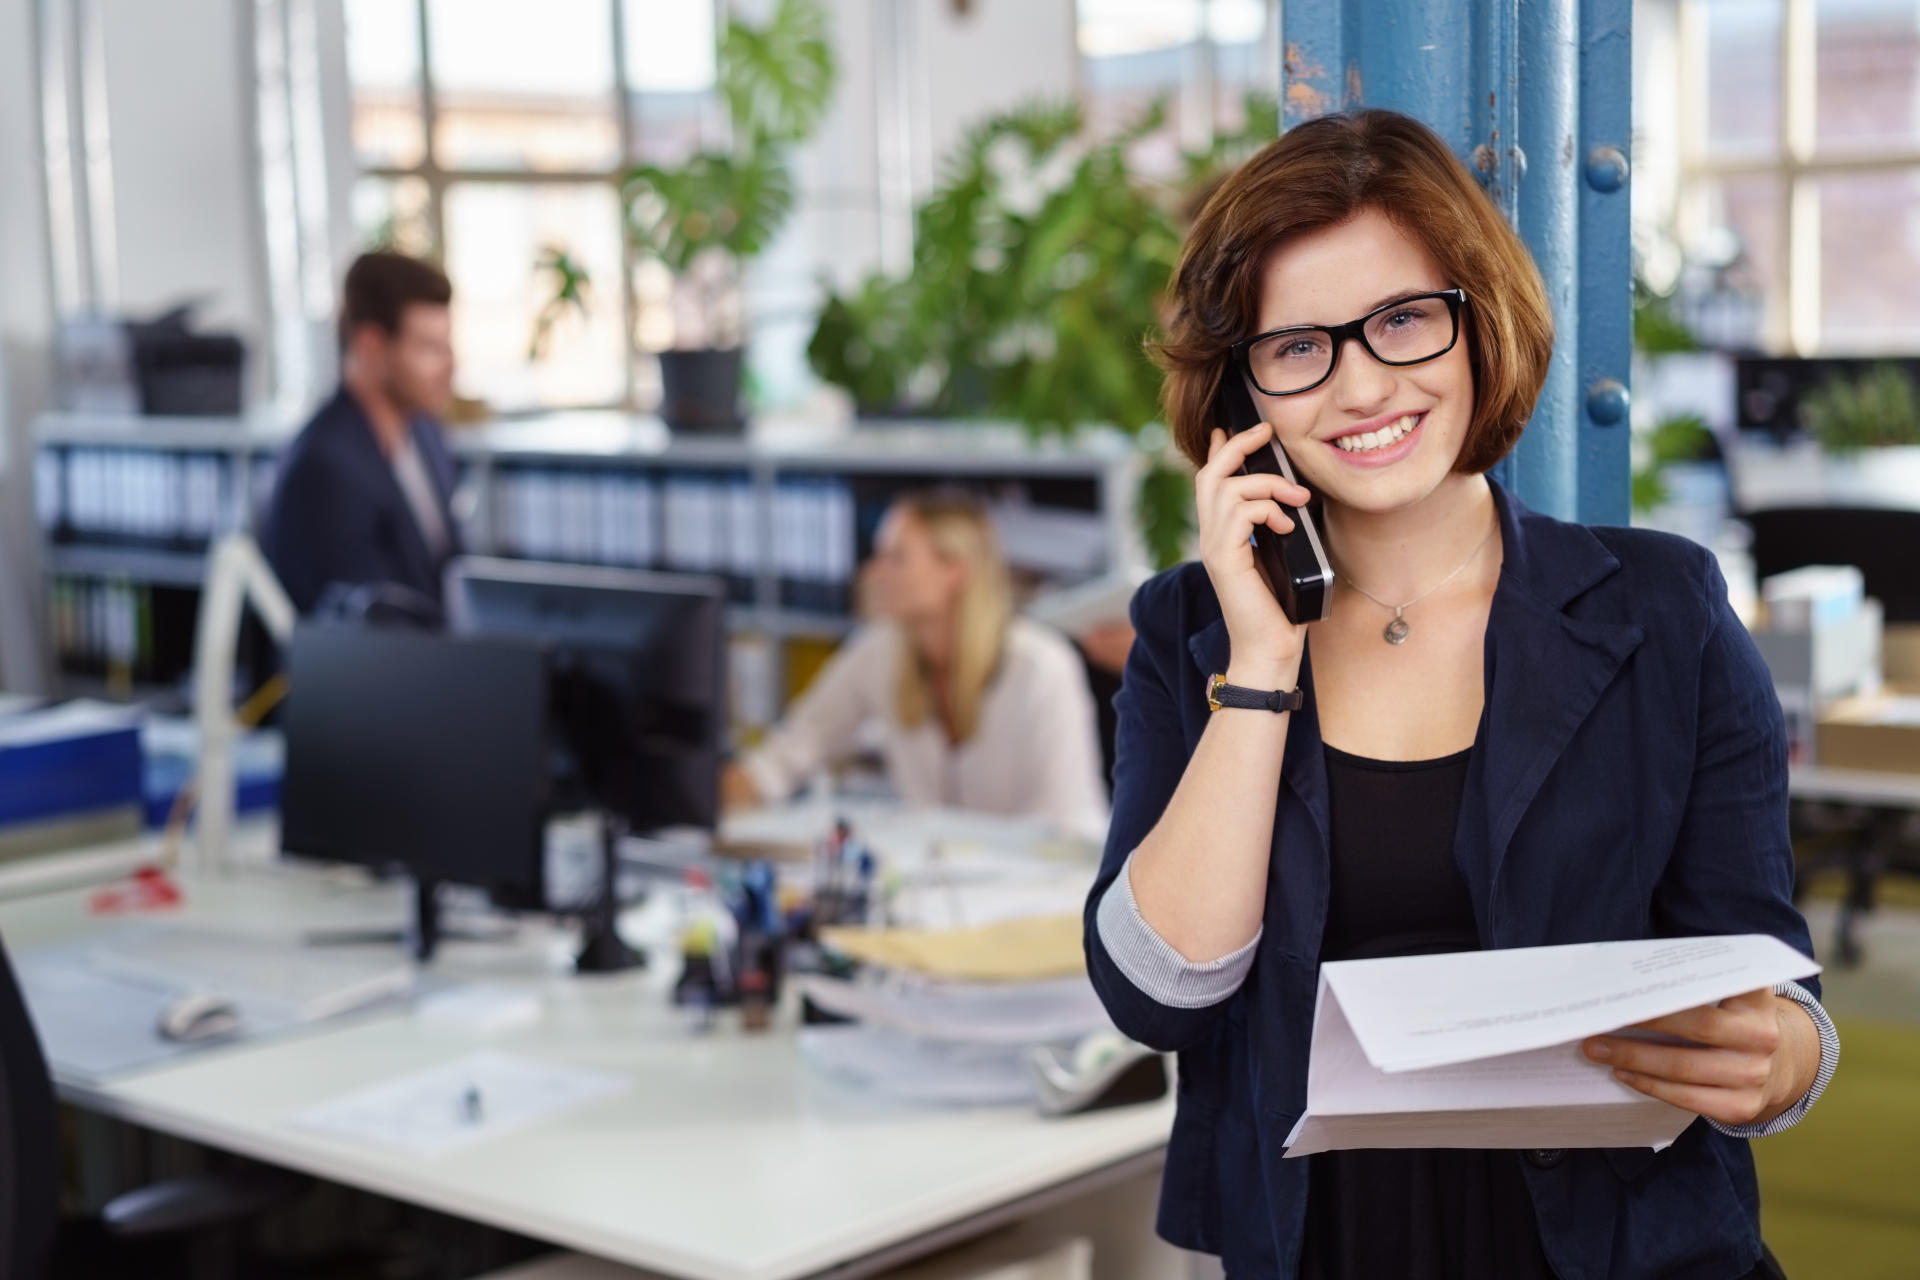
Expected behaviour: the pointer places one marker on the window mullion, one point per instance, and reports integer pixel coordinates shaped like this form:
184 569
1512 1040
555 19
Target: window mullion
629 152
1799 190
430 159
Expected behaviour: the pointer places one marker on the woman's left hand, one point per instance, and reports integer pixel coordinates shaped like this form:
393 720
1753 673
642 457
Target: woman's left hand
1743 1065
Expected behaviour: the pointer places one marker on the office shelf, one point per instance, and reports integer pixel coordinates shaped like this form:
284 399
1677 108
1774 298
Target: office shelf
1093 475
135 564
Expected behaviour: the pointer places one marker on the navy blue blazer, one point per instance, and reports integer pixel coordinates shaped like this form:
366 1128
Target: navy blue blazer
1628 780
338 514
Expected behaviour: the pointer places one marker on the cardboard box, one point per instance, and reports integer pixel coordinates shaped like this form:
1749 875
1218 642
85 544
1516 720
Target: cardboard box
1900 656
1879 732
1832 659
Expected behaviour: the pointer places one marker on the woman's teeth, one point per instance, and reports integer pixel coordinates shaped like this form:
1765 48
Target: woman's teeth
1392 433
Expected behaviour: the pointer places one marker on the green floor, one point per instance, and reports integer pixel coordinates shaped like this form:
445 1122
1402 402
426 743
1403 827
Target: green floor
1841 1191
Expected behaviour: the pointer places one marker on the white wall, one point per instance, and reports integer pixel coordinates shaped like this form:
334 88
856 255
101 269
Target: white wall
851 218
1656 124
999 53
26 338
180 105
26 281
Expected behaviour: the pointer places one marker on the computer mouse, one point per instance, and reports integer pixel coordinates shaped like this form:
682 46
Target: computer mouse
198 1016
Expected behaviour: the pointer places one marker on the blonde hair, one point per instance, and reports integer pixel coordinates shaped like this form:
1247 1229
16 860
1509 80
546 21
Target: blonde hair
960 529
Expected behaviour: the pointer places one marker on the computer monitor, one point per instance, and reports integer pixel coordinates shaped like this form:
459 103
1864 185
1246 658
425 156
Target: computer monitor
429 751
639 678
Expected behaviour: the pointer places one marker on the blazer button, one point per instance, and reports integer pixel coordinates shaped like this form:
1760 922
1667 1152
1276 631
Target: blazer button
1546 1157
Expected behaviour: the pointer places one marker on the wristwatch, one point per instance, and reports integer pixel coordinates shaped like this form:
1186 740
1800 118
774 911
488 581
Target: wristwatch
1221 694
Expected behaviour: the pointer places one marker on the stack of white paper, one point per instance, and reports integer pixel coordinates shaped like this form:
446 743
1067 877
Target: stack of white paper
1483 1048
1014 1014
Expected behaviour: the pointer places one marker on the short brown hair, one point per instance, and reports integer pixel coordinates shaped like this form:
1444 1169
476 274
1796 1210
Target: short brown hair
1319 174
381 285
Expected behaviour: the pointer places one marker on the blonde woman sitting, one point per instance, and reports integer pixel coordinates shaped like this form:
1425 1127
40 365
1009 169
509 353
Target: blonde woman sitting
981 710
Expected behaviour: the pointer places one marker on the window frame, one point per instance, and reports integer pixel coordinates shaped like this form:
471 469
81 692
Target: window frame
1793 317
439 178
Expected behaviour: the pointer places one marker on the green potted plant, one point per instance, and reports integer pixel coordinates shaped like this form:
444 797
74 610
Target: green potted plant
1040 263
707 217
1869 428
1675 441
1877 410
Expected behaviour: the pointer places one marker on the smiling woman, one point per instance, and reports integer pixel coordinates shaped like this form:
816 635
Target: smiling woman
1510 731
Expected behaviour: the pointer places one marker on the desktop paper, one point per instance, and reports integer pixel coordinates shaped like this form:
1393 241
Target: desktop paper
423 1113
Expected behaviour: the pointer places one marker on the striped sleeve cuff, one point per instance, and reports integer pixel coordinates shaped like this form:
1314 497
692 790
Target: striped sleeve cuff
1151 964
1829 1060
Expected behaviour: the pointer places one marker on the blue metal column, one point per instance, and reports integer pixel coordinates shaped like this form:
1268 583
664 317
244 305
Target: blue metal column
1535 97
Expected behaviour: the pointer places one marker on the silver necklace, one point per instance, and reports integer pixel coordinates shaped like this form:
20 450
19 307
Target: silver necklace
1397 630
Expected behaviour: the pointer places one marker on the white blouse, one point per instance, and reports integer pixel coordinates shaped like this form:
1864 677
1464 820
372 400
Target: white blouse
1035 752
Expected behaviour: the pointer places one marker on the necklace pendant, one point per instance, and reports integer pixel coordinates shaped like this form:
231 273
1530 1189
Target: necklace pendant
1397 631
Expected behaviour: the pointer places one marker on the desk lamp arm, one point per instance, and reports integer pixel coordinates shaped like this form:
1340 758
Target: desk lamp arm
237 575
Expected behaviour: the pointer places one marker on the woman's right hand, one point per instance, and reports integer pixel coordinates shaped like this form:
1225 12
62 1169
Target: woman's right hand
1266 647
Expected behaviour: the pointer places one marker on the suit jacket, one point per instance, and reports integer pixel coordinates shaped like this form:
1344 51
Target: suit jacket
338 514
1628 780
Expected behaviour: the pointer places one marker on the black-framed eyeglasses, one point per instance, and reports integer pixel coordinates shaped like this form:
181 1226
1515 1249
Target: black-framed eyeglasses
1410 330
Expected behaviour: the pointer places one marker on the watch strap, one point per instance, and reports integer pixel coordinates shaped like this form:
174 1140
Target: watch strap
1220 694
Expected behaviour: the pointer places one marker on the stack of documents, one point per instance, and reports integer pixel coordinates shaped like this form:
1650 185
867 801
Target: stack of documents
1483 1048
936 1043
1020 950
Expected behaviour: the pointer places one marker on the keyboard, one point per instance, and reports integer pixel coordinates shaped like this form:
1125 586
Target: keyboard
287 977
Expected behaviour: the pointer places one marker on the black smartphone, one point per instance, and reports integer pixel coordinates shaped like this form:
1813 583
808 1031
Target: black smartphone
1295 564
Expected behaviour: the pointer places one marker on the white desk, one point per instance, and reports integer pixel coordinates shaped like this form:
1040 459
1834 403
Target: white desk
725 1161
1855 786
1893 796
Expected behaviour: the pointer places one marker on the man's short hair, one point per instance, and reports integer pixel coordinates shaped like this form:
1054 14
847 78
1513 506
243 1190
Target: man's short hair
381 285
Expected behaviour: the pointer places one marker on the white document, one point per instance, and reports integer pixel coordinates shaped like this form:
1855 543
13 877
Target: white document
1483 1048
427 1113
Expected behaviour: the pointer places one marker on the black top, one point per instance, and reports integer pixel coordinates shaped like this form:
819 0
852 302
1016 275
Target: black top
1396 890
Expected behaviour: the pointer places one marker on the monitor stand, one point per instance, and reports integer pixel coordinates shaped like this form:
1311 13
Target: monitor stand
601 950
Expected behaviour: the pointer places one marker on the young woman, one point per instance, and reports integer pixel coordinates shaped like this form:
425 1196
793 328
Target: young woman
1512 731
980 709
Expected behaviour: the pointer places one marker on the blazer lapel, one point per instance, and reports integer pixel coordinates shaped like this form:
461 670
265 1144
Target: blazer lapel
1544 671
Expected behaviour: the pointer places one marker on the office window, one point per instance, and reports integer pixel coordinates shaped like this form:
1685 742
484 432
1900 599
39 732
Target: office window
1202 57
1870 260
1742 76
1869 53
489 132
1800 166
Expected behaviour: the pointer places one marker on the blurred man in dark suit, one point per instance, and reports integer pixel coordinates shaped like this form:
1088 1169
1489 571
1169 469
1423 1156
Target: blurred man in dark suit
363 498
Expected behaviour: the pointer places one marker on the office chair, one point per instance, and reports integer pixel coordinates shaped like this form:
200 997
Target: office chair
1884 544
184 1226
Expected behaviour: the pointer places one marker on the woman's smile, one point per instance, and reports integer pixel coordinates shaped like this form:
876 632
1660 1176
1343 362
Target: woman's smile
1382 446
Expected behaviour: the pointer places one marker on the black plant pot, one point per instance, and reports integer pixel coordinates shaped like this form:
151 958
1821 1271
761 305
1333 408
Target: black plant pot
702 390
